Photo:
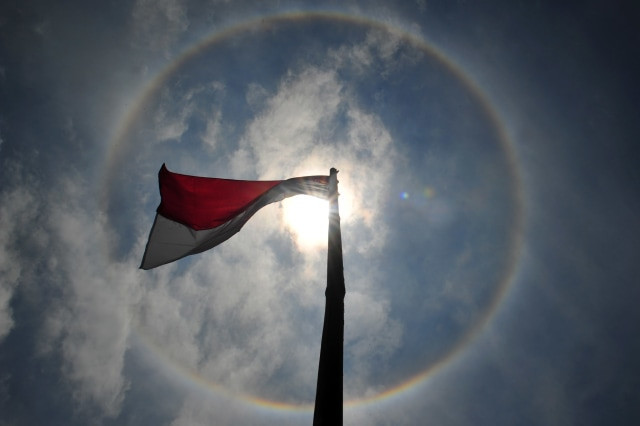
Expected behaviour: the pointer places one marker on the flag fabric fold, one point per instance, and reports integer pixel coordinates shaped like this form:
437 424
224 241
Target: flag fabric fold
198 213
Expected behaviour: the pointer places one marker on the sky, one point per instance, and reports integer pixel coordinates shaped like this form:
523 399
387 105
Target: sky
487 156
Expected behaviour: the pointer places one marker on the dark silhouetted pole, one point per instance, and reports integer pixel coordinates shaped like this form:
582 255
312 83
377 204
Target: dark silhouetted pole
328 408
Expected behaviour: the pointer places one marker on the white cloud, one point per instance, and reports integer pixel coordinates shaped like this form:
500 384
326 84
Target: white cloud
212 131
290 126
19 207
248 314
170 127
305 129
232 315
378 49
359 56
308 125
242 315
177 108
200 410
157 24
90 325
256 95
371 337
55 239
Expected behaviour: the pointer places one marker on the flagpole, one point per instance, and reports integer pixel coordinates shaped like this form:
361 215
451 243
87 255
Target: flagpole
328 406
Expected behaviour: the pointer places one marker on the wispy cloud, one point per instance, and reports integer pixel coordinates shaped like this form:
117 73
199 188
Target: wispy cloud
90 325
178 109
53 243
157 25
248 315
19 208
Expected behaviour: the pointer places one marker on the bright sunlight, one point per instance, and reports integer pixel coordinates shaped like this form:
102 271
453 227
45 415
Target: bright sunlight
308 219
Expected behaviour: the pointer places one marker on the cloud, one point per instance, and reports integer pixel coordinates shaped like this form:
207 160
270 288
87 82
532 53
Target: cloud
52 245
230 316
290 126
371 338
313 123
179 109
157 25
89 327
172 116
381 50
212 130
198 409
256 95
248 315
19 207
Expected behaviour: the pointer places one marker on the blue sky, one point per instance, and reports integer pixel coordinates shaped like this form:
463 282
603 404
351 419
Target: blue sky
488 179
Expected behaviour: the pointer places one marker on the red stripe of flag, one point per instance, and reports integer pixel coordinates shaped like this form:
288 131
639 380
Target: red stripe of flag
204 202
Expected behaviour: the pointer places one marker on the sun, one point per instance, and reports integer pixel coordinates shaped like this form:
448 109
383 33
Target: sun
307 218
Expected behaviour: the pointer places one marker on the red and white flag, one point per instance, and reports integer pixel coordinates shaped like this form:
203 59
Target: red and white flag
198 213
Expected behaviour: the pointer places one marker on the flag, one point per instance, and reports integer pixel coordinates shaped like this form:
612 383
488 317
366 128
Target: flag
198 213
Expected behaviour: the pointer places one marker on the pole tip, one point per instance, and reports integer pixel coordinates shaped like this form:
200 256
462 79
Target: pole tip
333 171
